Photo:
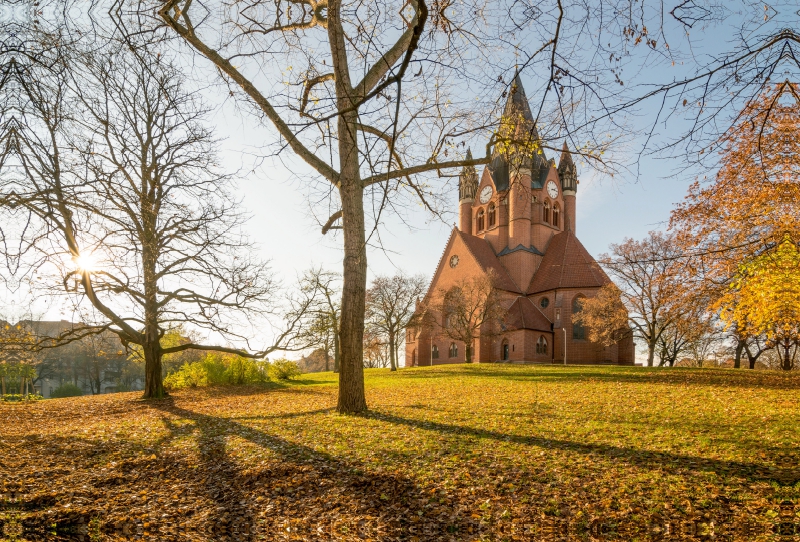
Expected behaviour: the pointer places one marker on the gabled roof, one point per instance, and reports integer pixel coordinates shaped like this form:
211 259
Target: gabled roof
523 314
567 264
486 258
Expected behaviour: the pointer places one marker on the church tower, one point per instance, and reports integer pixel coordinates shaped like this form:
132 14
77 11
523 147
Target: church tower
467 187
517 225
518 125
568 175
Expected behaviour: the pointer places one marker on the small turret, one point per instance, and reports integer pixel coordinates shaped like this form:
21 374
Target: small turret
468 181
467 187
568 175
567 171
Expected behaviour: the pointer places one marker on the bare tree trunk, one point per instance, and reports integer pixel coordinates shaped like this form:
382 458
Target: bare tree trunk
337 355
786 364
737 357
468 352
351 370
351 193
153 382
651 354
392 352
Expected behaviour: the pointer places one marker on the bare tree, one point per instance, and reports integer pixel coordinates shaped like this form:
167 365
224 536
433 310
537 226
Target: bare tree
376 348
141 222
380 98
467 310
390 307
649 275
324 315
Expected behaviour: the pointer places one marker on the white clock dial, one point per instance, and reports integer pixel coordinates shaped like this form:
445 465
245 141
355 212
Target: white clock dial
486 194
552 190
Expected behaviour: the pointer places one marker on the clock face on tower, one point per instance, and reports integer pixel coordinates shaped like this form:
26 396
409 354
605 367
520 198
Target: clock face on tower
486 194
552 190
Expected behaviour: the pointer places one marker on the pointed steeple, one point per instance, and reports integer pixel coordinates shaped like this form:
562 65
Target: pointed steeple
467 181
517 136
567 171
517 101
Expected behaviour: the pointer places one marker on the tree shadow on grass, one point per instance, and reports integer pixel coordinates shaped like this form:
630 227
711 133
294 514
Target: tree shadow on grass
304 487
783 474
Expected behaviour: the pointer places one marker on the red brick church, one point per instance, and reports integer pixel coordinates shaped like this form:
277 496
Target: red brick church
518 220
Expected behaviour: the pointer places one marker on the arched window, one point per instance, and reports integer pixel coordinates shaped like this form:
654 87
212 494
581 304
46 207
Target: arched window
492 215
453 350
578 331
505 350
555 215
479 220
546 212
435 352
541 345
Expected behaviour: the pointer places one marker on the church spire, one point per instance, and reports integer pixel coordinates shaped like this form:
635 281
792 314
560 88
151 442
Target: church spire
567 171
518 139
467 181
517 101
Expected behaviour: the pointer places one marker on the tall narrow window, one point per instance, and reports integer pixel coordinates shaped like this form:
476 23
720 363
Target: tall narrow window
492 215
541 345
479 220
453 350
546 212
435 352
555 215
578 331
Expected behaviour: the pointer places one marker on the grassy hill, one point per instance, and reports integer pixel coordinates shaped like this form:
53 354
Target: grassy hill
458 452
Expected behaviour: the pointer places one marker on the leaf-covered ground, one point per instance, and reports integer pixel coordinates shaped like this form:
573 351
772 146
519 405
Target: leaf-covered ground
491 452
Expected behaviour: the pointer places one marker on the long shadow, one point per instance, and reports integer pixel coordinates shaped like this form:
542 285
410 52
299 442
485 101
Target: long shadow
285 416
669 462
302 478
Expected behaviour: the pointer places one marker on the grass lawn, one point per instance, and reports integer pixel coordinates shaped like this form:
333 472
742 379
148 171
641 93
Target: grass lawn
465 452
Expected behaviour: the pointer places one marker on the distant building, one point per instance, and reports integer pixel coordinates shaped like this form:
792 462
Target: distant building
518 220
96 363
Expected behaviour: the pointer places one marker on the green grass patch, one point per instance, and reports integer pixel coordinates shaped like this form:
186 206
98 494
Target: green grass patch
466 451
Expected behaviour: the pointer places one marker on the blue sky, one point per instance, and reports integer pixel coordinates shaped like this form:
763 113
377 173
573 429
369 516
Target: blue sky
609 209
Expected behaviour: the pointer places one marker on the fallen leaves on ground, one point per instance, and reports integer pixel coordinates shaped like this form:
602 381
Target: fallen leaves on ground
455 453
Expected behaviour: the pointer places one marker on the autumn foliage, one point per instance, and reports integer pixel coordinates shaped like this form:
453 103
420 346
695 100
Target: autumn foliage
740 231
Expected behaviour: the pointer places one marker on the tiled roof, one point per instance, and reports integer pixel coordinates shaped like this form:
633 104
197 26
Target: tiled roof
523 314
567 264
487 259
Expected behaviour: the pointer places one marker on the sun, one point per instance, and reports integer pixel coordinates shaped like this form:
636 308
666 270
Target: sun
86 262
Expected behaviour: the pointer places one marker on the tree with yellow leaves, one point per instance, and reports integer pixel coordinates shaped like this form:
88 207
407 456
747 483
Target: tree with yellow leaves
738 230
764 298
